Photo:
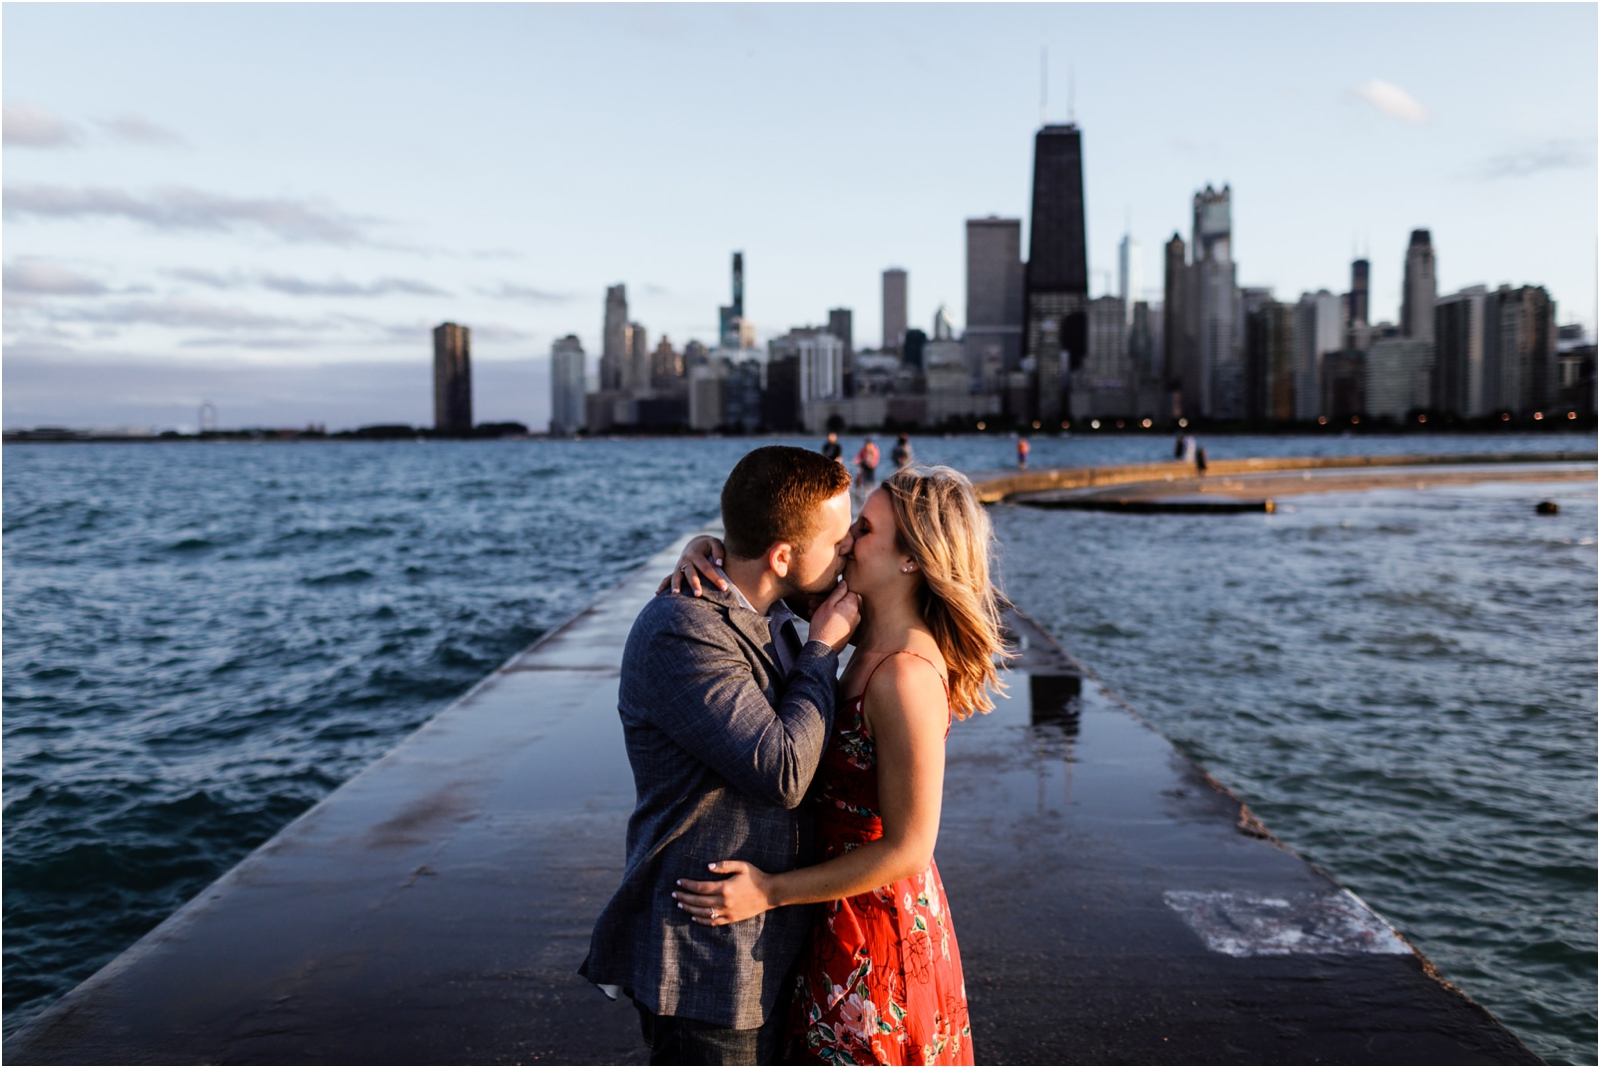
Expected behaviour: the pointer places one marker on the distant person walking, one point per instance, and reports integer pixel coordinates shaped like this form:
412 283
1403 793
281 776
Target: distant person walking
867 465
1022 454
1184 448
1200 460
902 452
831 448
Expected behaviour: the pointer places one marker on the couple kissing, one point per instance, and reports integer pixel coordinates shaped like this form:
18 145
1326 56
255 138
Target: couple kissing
779 902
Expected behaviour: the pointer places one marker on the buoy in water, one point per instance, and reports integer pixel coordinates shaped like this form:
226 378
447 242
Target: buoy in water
1547 508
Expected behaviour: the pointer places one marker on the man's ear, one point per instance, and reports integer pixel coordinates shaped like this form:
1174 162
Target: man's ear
780 558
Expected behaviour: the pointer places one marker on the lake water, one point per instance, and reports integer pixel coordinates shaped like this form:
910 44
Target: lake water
203 640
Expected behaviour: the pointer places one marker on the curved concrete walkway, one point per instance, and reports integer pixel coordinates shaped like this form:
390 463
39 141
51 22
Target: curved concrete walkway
1113 903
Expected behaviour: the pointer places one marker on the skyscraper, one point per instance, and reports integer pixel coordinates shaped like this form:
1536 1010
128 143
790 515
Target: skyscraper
1175 314
1360 272
1416 301
1317 332
1399 377
1458 322
1269 358
566 386
666 367
1128 280
821 367
730 315
894 309
614 339
636 365
452 379
1105 384
1217 389
841 324
1056 328
1519 350
993 336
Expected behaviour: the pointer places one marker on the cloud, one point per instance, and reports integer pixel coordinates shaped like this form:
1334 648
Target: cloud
38 278
139 131
177 208
214 279
1392 100
29 126
277 343
525 294
302 287
306 287
1550 156
181 313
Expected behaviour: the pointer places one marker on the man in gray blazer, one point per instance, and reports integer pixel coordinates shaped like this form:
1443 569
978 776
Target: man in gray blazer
726 714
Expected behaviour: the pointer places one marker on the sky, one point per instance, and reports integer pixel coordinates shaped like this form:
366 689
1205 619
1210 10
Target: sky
268 207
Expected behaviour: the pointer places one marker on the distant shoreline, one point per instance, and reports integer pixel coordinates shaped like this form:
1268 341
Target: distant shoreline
499 432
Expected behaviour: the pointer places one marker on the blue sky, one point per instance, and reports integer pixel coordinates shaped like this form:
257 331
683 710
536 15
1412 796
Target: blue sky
268 206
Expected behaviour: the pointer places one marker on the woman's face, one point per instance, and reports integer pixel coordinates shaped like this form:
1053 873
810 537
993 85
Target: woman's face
875 559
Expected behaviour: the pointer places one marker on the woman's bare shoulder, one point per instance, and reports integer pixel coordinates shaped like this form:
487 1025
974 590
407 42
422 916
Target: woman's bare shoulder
908 684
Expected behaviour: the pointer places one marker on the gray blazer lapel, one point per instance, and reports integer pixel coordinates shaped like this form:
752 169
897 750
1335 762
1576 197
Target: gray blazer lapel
749 624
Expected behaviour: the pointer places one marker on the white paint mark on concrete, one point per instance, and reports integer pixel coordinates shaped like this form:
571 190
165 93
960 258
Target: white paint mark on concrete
1251 925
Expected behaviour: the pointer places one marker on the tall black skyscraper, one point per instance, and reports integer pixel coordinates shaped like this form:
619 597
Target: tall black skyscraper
1175 340
1056 333
730 314
1360 272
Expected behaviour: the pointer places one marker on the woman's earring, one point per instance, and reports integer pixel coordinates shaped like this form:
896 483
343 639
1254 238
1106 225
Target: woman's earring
908 568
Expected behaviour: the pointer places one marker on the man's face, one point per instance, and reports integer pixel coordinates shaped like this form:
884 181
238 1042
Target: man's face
816 565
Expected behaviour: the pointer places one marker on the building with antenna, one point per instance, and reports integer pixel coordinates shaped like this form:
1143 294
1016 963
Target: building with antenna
1128 280
1056 281
730 317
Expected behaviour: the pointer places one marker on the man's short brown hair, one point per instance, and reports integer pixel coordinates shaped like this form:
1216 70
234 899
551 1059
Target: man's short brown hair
774 495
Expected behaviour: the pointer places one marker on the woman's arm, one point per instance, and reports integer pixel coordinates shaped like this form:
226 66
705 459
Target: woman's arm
909 719
702 556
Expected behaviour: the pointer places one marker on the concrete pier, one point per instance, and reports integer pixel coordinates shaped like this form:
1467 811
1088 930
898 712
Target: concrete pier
1113 904
1259 491
996 486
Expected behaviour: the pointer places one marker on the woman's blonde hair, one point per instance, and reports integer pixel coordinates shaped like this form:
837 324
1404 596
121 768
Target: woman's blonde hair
942 527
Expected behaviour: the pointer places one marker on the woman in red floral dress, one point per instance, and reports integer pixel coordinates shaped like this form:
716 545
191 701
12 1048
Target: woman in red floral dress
881 980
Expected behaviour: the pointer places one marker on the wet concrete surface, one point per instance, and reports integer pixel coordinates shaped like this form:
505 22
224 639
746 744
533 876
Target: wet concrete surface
1112 904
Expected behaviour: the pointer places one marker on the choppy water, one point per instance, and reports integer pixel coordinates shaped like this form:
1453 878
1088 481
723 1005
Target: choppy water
202 641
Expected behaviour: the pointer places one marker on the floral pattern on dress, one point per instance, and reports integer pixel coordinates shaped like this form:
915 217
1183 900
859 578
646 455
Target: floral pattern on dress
881 980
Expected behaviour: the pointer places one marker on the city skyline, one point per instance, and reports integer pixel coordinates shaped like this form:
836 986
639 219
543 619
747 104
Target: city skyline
200 263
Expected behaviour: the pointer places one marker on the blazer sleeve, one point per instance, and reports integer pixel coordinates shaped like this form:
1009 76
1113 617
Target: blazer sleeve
707 701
